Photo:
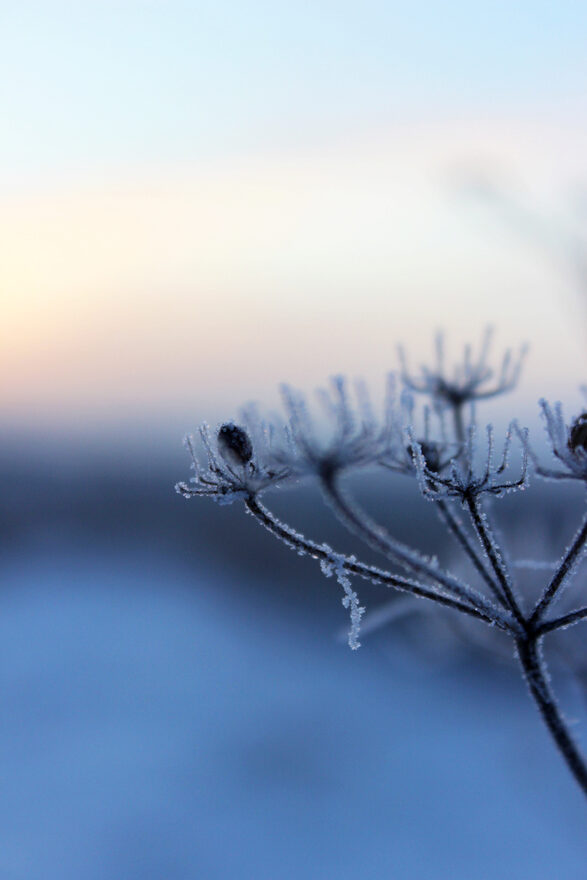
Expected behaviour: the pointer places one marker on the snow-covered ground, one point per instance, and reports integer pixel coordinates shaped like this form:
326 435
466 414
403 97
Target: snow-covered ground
160 723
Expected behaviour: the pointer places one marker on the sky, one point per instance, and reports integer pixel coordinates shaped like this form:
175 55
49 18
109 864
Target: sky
199 200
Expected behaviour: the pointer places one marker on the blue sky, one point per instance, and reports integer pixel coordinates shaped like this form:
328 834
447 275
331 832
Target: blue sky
94 84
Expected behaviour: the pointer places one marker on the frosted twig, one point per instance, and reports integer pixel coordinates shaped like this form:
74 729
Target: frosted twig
360 523
491 548
350 600
568 562
457 530
322 552
562 622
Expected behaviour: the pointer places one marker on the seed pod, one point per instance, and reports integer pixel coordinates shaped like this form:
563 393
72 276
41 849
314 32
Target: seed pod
234 444
578 433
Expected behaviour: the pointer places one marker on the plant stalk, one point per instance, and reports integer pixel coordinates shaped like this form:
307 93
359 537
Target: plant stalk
355 567
565 568
495 560
358 522
536 678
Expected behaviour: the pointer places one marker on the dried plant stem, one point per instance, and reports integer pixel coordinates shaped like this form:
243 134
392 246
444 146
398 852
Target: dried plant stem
527 643
564 569
457 530
537 680
562 622
358 522
458 422
489 545
352 566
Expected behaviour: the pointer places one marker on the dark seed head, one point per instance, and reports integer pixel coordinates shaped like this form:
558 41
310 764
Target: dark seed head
578 433
234 444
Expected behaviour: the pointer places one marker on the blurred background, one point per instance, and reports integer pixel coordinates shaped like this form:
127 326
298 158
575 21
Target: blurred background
198 201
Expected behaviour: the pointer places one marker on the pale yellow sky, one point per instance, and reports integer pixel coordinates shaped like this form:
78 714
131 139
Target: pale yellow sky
176 287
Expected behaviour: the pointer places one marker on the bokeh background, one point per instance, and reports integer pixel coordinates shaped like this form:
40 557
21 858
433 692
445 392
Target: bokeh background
198 201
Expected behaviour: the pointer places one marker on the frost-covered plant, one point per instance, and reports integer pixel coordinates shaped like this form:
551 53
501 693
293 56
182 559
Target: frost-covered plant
455 472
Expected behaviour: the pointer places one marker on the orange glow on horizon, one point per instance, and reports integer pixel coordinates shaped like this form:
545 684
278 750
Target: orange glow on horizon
217 280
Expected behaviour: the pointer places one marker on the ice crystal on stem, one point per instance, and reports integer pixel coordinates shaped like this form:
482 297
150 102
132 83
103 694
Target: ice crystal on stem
337 565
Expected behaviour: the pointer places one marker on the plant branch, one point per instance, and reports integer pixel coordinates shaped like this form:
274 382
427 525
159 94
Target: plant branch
458 422
537 680
568 561
358 522
490 546
298 542
562 622
457 530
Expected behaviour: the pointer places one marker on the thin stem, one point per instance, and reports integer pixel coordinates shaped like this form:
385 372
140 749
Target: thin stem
301 544
458 422
489 545
537 680
564 569
457 530
358 522
561 622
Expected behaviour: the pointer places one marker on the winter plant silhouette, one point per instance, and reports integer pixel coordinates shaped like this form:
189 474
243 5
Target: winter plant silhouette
457 469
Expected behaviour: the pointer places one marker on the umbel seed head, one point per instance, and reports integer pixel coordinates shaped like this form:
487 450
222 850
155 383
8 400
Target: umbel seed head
578 433
234 444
